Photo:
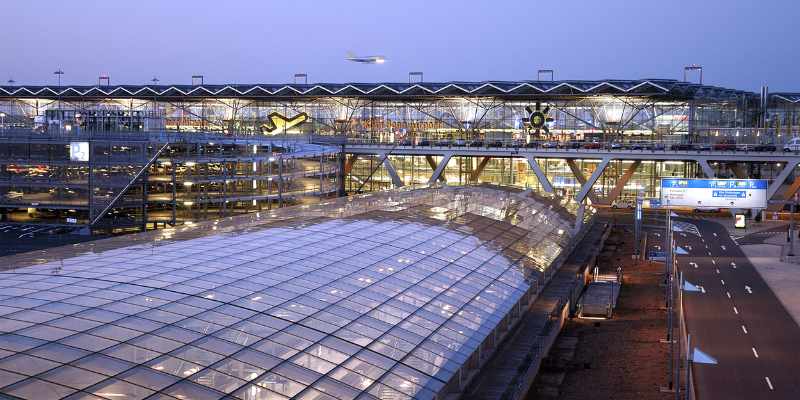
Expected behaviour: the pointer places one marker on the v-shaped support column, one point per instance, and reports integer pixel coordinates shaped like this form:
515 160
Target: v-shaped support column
477 172
437 169
707 169
398 183
537 170
737 170
620 184
587 187
581 179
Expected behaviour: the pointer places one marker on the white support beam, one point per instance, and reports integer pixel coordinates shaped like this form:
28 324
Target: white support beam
779 180
398 183
581 179
440 168
592 179
707 169
546 185
623 180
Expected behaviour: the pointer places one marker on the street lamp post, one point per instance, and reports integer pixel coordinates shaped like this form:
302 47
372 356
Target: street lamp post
58 105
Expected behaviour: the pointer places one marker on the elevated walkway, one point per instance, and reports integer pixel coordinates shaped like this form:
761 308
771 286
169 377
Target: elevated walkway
510 372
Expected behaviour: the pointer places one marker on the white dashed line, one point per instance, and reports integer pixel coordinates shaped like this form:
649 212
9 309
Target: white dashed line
713 262
735 310
717 270
745 331
709 253
754 352
729 294
768 382
723 282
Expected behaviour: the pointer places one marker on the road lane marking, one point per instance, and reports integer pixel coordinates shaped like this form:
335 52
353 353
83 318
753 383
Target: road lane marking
729 294
703 240
709 253
748 289
723 282
723 248
733 265
715 234
713 262
735 310
717 270
706 246
754 352
769 383
745 330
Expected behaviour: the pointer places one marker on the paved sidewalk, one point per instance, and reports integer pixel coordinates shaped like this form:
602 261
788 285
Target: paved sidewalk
771 260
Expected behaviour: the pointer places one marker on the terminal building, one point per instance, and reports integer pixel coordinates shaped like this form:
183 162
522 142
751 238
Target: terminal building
142 157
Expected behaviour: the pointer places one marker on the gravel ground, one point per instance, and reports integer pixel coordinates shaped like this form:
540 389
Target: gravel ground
624 356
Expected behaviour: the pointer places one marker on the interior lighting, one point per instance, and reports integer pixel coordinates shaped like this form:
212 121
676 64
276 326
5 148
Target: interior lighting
187 183
190 371
187 203
166 163
257 298
211 296
190 164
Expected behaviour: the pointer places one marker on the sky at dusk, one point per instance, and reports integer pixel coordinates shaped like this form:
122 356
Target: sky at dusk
740 44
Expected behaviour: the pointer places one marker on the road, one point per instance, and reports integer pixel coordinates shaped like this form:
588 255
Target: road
737 319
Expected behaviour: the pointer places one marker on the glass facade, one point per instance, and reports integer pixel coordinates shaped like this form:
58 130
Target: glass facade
377 297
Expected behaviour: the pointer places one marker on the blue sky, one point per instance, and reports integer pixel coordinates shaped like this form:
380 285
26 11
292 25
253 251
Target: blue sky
740 44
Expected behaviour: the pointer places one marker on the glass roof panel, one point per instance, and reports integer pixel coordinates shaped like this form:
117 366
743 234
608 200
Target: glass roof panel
304 304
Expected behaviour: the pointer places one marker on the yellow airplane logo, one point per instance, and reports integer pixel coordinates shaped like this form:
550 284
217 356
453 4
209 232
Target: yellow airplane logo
277 122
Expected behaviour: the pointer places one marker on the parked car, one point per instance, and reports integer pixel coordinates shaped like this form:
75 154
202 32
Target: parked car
792 145
14 194
725 144
623 204
681 146
404 142
592 145
460 142
574 145
532 145
550 145
495 143
475 143
704 146
767 147
706 209
424 142
654 146
613 145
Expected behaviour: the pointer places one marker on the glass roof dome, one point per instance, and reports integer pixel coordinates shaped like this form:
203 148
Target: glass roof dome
382 296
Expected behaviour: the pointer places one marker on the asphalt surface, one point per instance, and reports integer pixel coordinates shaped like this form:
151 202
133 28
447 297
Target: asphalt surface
737 319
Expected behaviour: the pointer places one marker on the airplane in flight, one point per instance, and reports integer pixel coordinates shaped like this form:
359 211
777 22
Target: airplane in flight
367 59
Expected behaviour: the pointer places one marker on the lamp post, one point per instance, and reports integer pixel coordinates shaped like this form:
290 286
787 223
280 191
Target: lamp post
58 105
152 117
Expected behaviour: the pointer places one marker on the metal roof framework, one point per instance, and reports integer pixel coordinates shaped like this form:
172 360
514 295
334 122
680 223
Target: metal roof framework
646 87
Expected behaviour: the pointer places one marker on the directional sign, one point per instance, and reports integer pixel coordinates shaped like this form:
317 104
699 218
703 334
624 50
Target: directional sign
79 151
657 256
748 289
734 193
702 358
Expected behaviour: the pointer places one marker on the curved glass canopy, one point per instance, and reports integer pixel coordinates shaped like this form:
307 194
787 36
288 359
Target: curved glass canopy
380 297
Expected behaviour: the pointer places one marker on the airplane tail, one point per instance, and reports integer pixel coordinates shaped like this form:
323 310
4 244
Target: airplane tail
351 55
